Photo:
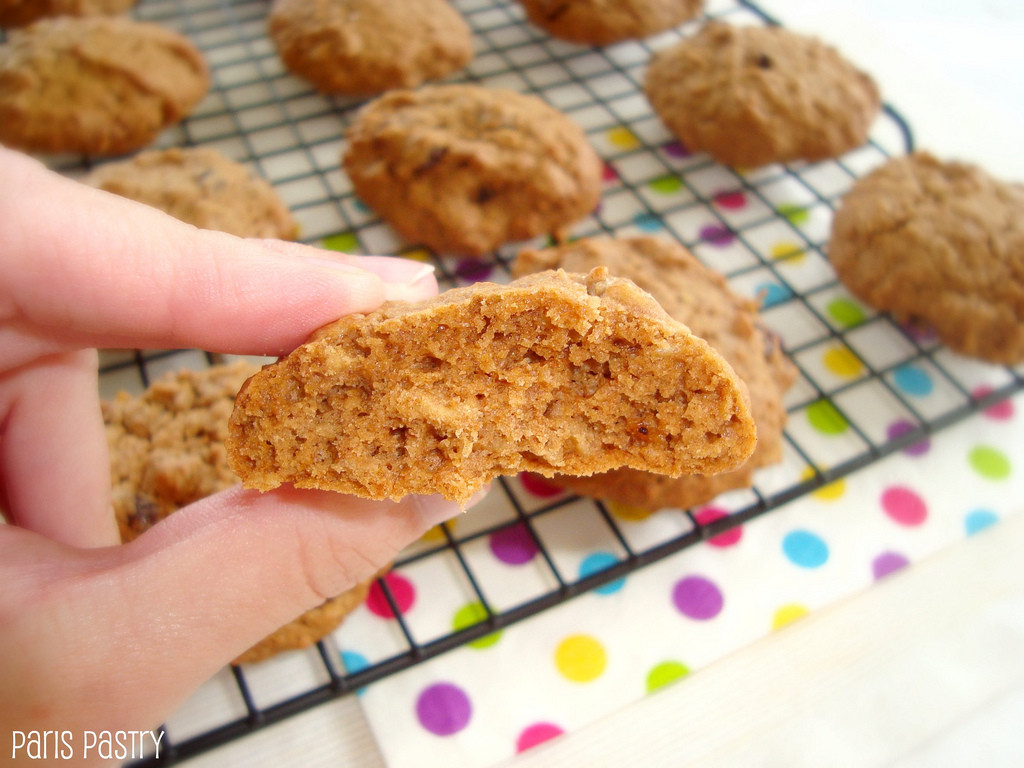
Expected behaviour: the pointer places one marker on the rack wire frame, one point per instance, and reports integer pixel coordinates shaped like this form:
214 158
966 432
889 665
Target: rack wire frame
260 115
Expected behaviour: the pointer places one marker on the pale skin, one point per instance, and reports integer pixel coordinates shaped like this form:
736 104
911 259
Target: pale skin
100 636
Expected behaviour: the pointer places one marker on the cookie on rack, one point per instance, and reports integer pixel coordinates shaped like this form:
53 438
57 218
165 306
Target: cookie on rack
750 96
940 243
202 187
365 47
96 85
599 22
18 13
464 168
167 450
700 298
553 373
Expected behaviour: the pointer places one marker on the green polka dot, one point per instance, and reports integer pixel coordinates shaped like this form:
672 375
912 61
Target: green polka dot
467 616
845 312
665 673
796 214
666 185
824 417
346 242
989 462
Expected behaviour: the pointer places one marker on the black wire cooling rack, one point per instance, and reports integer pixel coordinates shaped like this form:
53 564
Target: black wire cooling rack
867 387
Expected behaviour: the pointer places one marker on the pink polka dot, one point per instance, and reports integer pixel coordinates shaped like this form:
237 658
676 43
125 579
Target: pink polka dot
1001 411
731 200
536 734
513 545
904 506
609 173
538 486
401 589
726 539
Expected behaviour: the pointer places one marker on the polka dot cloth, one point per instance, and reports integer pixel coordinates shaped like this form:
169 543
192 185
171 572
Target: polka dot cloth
514 689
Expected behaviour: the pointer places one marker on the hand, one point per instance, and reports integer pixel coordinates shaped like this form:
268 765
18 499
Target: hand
96 636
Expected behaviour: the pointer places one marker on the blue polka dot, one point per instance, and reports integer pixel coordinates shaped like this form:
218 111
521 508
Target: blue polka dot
913 380
772 293
648 222
354 662
806 549
597 562
979 519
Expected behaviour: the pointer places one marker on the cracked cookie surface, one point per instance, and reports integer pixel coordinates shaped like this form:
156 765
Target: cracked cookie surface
602 22
941 243
18 13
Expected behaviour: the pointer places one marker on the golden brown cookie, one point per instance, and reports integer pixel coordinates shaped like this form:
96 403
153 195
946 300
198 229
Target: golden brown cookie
18 13
463 168
364 47
602 22
96 85
941 243
699 298
554 373
202 187
749 96
167 450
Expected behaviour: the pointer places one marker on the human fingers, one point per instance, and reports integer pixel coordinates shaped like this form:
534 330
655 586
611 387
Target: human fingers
94 269
53 451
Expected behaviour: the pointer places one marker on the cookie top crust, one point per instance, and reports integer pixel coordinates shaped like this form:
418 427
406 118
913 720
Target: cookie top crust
940 243
18 13
700 298
602 22
95 85
463 168
750 96
201 187
365 47
553 373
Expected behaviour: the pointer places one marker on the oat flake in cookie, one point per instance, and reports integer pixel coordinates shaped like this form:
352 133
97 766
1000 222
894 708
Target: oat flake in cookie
95 85
365 47
18 13
699 298
553 373
463 168
941 243
202 187
602 22
167 451
750 96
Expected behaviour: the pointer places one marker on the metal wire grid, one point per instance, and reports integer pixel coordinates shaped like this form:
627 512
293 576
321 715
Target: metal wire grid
258 114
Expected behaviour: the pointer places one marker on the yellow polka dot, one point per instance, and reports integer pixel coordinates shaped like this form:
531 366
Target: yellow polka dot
789 251
580 658
829 492
787 614
436 534
626 512
417 254
842 362
623 138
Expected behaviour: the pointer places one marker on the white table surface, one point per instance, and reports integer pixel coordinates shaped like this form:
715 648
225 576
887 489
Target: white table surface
869 681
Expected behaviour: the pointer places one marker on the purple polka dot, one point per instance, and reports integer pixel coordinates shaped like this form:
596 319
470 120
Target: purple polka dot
886 563
443 709
697 598
900 428
676 149
513 545
473 270
716 234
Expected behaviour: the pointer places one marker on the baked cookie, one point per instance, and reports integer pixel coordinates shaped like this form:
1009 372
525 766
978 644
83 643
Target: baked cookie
554 373
463 168
749 96
96 85
940 243
699 298
364 47
602 22
18 13
167 450
202 187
